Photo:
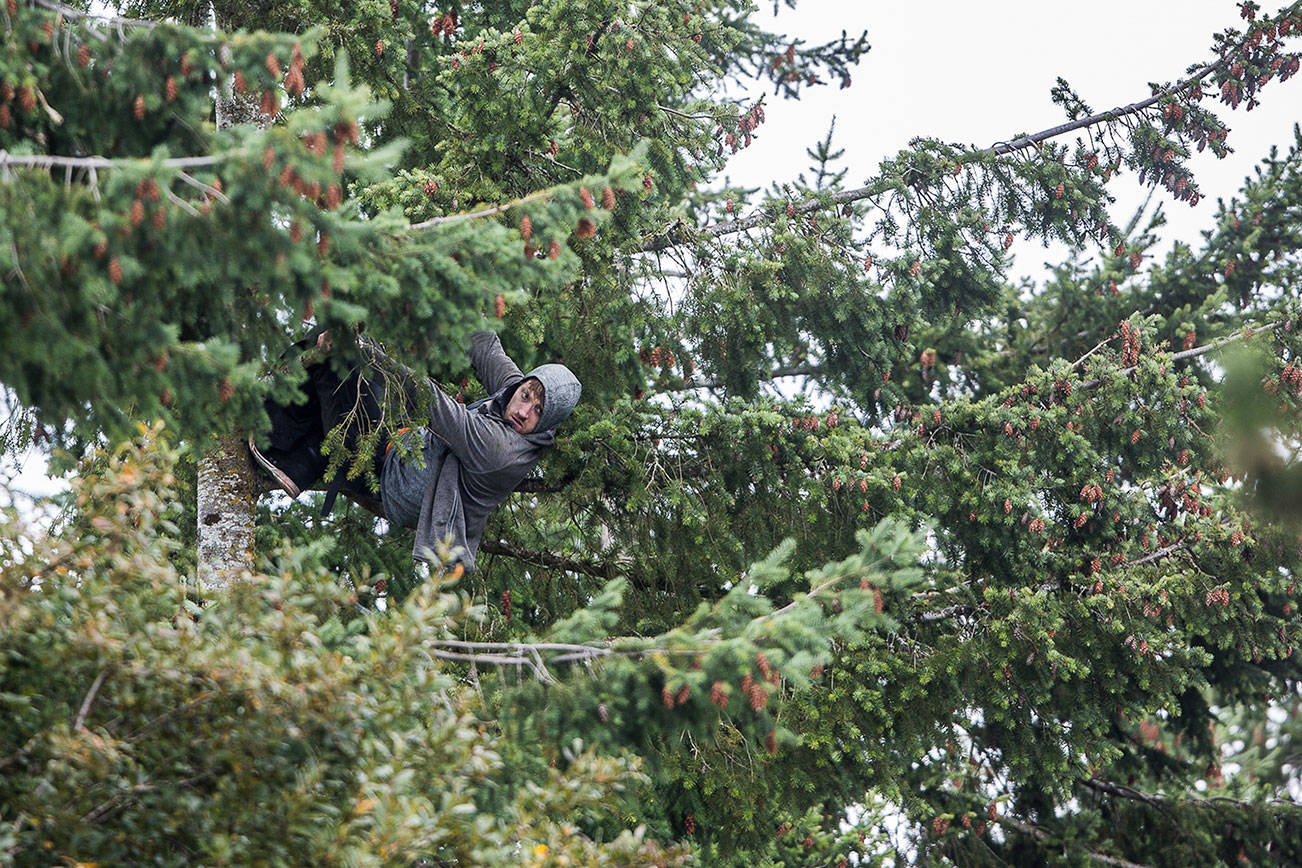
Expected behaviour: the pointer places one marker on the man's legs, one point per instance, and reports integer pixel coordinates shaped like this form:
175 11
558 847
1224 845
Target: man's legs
293 455
353 403
293 452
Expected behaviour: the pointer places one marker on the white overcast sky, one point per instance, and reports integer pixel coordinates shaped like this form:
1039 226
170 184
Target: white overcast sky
980 72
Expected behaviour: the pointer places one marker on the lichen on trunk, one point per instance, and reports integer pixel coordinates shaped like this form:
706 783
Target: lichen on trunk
227 500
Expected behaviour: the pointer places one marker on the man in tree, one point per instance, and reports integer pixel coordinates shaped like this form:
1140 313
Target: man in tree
442 478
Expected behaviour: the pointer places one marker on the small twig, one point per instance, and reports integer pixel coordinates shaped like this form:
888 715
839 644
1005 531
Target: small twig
599 569
207 189
555 162
1125 792
1100 345
182 204
1152 556
77 723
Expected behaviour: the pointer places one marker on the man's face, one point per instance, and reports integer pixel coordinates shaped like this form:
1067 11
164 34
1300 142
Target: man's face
525 407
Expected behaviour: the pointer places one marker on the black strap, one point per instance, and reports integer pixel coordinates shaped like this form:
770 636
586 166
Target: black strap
331 493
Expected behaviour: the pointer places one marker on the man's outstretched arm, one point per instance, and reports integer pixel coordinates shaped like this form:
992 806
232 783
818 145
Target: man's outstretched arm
492 365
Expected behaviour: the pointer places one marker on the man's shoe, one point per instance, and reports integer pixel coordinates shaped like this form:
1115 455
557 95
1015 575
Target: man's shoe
282 478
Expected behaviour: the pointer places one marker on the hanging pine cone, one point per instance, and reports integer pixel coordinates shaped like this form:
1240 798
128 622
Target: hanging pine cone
270 103
294 81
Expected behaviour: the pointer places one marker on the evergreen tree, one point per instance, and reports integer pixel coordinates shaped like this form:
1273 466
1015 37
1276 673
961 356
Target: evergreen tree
1014 564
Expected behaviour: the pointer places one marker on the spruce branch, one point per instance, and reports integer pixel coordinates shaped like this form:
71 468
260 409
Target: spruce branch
1041 834
807 370
680 234
1122 791
491 211
1246 333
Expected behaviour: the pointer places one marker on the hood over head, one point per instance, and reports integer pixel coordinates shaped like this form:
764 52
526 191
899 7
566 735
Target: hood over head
561 390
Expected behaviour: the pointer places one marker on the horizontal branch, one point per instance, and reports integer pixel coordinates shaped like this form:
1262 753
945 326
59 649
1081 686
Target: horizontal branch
94 17
1021 142
1121 791
477 215
599 569
1246 333
50 161
1040 834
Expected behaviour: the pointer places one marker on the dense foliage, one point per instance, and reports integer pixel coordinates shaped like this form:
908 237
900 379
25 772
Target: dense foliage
997 575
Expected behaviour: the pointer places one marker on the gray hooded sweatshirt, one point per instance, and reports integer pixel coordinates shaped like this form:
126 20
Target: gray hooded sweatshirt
473 458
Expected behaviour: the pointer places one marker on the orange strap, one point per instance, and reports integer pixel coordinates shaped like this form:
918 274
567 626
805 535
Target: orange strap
396 434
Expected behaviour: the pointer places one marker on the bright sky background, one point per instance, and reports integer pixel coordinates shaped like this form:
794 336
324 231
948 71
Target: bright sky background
980 72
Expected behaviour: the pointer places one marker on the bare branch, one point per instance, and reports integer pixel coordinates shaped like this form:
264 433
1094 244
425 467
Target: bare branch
89 700
49 161
92 17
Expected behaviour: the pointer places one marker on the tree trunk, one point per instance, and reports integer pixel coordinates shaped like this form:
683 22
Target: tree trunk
228 495
227 488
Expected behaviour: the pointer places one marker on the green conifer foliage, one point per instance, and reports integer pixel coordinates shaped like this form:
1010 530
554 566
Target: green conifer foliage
852 551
